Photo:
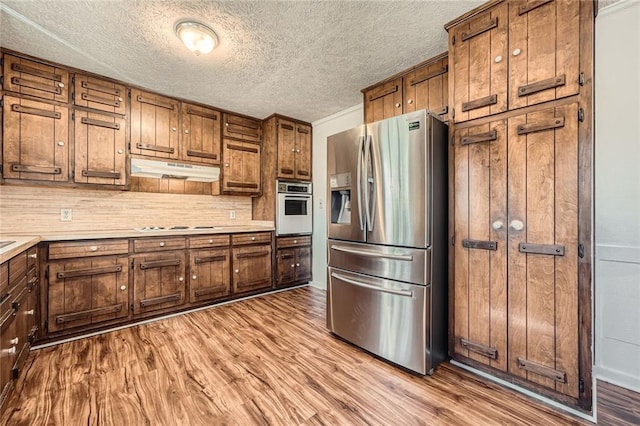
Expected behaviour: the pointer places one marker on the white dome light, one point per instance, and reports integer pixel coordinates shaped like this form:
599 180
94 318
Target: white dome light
198 38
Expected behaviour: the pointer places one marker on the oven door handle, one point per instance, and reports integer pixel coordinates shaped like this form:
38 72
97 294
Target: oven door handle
405 293
297 197
406 257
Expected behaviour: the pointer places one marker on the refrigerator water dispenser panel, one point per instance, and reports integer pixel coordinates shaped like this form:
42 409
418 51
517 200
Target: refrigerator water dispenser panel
340 198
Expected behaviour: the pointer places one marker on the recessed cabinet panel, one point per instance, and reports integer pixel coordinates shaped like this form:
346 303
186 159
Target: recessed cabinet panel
35 140
154 125
286 149
427 88
383 101
35 79
251 268
86 292
96 93
100 149
159 281
241 169
209 272
243 128
200 134
303 152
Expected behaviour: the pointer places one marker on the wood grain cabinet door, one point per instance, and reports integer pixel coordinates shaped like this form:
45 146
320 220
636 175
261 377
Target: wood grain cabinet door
428 88
478 51
100 149
154 125
243 128
544 44
209 275
480 283
303 153
286 149
286 265
35 79
200 134
242 167
251 268
8 353
99 94
35 141
303 264
543 248
383 101
159 281
87 292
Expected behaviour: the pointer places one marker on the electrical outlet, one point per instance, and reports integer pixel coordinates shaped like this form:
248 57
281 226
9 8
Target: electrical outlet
232 214
66 215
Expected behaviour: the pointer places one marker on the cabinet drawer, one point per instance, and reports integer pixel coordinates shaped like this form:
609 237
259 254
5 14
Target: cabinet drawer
158 244
103 95
242 128
252 238
35 79
17 268
294 241
87 248
205 241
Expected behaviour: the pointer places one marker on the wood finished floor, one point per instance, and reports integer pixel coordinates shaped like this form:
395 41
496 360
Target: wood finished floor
268 360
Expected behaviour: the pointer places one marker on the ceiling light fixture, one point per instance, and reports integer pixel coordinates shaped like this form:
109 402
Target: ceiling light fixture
198 38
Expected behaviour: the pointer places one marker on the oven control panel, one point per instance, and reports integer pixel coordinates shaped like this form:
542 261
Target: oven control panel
294 187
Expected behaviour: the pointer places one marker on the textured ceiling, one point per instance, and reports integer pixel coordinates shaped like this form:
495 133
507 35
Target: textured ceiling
306 59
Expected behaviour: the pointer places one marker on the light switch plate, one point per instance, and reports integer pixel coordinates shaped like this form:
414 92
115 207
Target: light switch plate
232 214
66 215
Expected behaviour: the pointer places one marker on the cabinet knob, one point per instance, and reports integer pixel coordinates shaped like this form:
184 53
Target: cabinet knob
10 351
123 287
398 105
297 264
253 238
497 225
60 84
33 256
93 248
30 312
186 131
181 279
60 143
226 124
295 241
410 101
226 164
162 244
516 225
293 150
516 52
298 151
293 266
120 99
498 59
14 341
210 241
237 271
173 129
120 151
194 277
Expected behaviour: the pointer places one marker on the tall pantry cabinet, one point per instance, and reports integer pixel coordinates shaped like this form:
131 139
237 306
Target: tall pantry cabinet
520 101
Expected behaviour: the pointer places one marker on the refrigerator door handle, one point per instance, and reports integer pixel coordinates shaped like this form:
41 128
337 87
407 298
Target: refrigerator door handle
406 257
359 182
405 293
371 205
368 180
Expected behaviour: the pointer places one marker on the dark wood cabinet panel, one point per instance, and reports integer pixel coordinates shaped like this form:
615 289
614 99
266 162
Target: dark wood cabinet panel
242 128
293 260
154 125
286 140
210 274
251 268
87 292
303 152
35 140
427 87
100 149
99 94
35 79
159 281
242 167
383 101
200 134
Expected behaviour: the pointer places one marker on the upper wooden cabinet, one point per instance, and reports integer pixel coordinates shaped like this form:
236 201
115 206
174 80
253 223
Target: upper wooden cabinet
515 54
294 150
99 94
154 125
200 134
35 79
241 170
383 101
35 140
243 128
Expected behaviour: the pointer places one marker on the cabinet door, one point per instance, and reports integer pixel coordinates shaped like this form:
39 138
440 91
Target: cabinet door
100 149
286 149
383 101
478 49
158 281
209 274
241 171
35 140
543 248
303 264
86 292
99 94
8 353
428 88
200 134
32 309
544 44
286 265
303 152
154 125
243 128
480 283
35 79
251 268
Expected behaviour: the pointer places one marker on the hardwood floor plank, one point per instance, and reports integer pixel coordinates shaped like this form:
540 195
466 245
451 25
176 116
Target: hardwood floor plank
268 360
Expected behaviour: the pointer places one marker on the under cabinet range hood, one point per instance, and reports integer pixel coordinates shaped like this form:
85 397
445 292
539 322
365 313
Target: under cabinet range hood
172 170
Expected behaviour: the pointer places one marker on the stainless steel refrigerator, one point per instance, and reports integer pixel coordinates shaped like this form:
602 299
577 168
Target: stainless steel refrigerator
387 246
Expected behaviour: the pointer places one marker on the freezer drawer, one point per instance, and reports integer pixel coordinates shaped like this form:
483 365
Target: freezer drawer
396 263
385 317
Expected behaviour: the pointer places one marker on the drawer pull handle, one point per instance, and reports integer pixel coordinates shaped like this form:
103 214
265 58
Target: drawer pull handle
158 300
155 102
551 373
33 256
541 85
156 148
101 88
74 273
252 254
100 100
480 349
479 103
38 86
159 264
210 259
201 154
36 111
100 123
35 71
36 169
481 137
540 126
526 8
203 114
100 174
491 25
14 341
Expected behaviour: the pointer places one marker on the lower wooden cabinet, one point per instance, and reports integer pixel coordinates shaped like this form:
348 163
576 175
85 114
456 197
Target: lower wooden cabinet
87 292
158 281
209 274
293 260
251 263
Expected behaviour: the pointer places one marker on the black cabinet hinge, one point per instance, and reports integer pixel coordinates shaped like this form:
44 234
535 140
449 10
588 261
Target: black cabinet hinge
453 240
46 272
580 115
73 79
73 116
453 140
581 251
1 61
453 113
581 79
132 307
453 40
73 96
581 386
129 145
1 102
2 80
132 265
73 174
129 93
46 325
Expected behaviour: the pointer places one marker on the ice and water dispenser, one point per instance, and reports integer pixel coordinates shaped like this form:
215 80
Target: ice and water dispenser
340 198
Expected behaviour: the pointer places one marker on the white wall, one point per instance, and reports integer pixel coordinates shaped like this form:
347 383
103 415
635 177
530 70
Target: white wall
343 120
617 194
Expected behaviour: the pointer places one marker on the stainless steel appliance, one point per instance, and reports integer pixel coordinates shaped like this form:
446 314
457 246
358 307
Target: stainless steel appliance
294 208
387 246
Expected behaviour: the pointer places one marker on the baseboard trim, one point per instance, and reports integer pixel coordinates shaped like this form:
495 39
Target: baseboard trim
154 319
617 378
592 418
